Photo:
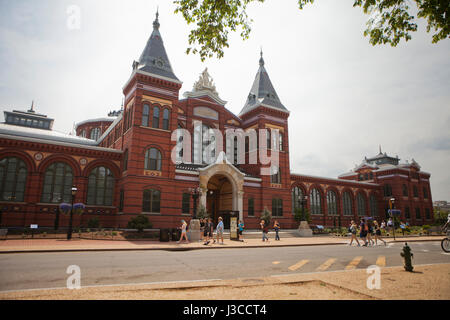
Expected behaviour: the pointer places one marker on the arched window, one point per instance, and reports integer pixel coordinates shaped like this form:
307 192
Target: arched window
315 202
166 115
152 159
58 181
373 206
331 203
235 150
95 133
100 187
151 201
13 176
276 175
361 201
297 197
155 117
83 133
347 201
145 115
208 144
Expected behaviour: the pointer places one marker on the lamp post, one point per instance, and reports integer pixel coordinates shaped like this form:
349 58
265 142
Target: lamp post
391 205
69 232
195 192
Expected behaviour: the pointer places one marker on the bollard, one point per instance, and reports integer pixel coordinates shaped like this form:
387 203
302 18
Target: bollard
407 256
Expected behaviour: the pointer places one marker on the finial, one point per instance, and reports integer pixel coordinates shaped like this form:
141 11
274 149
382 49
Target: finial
156 22
380 149
32 107
261 60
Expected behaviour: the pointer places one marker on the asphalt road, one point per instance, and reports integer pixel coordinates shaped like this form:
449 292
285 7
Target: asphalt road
48 270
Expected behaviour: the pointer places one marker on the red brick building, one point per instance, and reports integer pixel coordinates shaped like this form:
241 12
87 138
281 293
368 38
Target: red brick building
136 162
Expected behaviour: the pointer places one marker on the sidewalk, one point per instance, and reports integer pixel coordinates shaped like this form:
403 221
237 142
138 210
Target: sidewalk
60 245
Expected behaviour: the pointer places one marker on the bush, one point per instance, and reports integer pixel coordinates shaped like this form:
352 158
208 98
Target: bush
140 223
299 216
202 213
93 223
266 216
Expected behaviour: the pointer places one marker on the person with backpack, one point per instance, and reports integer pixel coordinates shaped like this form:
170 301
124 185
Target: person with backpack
363 232
369 229
352 229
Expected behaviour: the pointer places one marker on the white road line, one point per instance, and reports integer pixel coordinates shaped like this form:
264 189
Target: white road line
446 253
114 285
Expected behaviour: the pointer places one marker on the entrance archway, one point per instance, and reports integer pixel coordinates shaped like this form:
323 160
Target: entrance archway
219 198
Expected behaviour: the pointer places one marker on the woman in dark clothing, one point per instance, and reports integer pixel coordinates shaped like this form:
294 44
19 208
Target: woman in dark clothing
363 232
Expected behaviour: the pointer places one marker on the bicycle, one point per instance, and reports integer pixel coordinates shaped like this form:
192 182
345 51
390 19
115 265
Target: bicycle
445 243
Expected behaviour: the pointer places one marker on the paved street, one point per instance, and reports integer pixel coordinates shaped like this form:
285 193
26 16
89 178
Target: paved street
48 270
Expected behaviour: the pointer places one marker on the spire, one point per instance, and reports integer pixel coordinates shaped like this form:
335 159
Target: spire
262 92
154 57
32 107
380 150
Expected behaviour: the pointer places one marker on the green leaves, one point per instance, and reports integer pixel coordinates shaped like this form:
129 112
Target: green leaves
390 21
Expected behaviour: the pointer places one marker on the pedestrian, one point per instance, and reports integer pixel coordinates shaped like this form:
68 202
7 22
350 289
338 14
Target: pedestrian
383 225
369 229
209 229
276 227
202 227
377 233
183 231
353 227
402 226
219 230
390 225
363 232
241 227
264 231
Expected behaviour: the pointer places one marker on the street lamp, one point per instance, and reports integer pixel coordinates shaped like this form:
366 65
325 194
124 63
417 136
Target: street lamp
69 233
195 192
391 205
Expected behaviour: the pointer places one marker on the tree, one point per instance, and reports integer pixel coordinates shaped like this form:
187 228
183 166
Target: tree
300 216
202 213
389 22
266 216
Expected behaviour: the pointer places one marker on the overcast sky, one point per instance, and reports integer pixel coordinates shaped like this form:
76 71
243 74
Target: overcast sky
345 96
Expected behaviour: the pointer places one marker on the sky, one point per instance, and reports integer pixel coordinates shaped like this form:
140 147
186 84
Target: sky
345 96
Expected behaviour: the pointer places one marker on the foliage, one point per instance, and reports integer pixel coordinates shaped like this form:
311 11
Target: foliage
300 216
266 216
390 21
93 223
201 212
440 216
140 223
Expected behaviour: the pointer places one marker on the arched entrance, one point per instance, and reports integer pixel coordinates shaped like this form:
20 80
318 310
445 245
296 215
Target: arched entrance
219 199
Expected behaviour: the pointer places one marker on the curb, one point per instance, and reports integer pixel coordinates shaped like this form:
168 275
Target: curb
194 248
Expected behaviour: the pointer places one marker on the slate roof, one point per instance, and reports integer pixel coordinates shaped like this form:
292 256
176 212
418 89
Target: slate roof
262 92
154 57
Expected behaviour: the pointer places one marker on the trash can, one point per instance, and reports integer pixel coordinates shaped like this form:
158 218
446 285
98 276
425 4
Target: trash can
175 234
164 235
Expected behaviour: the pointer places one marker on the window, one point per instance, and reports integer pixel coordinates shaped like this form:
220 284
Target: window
425 193
387 190
407 213
371 176
347 204
235 150
297 197
361 201
13 176
405 190
100 187
166 115
122 199
251 206
373 206
125 160
155 117
186 203
276 175
151 201
83 132
331 203
418 213
58 180
95 133
145 115
415 192
277 207
280 141
268 139
315 202
152 159
366 176
427 213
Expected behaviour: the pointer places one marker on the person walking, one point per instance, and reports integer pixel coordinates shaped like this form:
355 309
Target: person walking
363 232
353 228
403 226
264 231
377 233
202 228
276 227
209 229
369 229
241 230
183 232
219 230
390 225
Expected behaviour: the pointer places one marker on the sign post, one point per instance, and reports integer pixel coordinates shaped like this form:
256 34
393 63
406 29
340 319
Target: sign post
234 227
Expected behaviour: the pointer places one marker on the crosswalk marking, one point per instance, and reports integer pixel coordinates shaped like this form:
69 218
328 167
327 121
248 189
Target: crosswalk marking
381 261
276 262
326 264
298 265
354 263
